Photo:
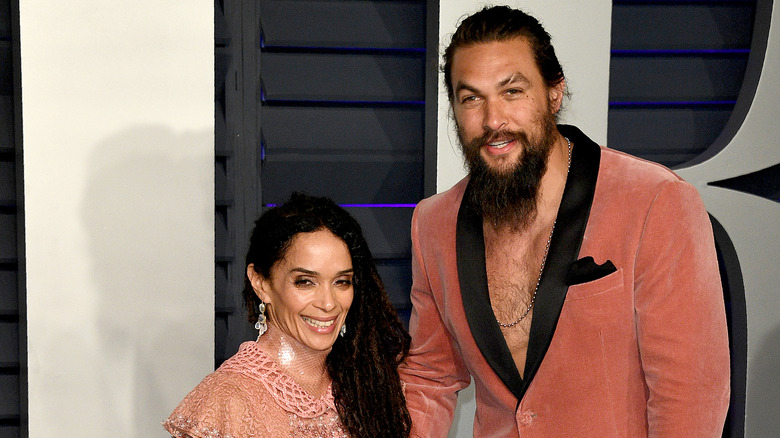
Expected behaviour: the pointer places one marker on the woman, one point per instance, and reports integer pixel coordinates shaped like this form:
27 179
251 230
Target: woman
325 361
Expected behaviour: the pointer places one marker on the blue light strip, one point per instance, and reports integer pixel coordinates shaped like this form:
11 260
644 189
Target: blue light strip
364 205
343 49
682 103
681 52
339 102
378 205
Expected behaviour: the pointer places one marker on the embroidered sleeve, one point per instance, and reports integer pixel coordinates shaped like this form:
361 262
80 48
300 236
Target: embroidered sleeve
224 405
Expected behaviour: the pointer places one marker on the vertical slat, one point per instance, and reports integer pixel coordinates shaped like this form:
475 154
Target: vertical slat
13 361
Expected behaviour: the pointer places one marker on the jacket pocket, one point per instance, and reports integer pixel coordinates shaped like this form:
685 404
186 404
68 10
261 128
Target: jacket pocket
595 288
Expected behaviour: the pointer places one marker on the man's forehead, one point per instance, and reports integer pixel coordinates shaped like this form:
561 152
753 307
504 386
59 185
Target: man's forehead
505 62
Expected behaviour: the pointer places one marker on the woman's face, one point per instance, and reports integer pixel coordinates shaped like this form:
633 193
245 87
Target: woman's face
310 290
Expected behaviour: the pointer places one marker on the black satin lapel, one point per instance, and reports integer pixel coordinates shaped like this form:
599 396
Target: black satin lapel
470 252
564 247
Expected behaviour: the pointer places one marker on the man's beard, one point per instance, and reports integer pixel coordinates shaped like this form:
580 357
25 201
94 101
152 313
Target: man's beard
508 197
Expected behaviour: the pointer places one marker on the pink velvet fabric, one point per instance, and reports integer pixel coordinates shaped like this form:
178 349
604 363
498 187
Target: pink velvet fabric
254 394
642 352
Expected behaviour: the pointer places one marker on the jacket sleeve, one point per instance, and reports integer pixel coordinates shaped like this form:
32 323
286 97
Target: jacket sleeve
434 371
680 318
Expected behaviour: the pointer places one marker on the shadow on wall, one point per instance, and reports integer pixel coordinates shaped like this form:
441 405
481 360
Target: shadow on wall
148 212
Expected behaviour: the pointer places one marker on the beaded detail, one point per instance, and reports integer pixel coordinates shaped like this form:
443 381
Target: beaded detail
251 396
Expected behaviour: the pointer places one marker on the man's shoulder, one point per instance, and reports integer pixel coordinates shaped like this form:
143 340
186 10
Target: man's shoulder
634 170
620 167
445 203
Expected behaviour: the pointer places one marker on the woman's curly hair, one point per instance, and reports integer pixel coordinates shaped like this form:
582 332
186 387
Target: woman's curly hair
363 364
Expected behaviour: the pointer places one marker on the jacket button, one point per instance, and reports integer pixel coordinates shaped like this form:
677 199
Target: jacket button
526 418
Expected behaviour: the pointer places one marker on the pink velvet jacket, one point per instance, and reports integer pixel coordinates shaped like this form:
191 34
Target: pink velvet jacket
630 343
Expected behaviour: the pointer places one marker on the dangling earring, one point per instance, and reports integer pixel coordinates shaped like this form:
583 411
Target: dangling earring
261 325
343 330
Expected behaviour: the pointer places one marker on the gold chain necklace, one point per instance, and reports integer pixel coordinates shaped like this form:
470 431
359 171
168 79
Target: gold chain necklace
544 260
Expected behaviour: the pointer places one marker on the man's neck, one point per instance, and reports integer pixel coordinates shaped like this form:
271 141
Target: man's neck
553 182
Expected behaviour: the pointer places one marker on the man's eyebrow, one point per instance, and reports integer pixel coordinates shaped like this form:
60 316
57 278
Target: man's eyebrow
514 78
461 86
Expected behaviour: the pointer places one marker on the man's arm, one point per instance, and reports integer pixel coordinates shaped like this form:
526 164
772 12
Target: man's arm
434 371
680 318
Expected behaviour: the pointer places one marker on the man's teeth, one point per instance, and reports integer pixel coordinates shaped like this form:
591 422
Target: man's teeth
319 324
499 144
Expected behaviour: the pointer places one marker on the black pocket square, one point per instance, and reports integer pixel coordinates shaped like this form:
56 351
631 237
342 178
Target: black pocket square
586 269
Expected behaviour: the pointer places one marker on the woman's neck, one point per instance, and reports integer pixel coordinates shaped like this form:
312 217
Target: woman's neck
305 365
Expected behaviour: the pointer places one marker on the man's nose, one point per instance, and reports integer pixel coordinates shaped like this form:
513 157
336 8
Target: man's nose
494 116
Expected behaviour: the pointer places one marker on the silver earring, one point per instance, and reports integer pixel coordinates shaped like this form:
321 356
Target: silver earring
343 330
261 325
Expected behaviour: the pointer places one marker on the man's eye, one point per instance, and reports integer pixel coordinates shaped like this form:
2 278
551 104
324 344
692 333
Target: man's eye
468 99
514 91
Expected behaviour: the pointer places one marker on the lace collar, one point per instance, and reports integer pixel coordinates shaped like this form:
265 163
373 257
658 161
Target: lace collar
253 362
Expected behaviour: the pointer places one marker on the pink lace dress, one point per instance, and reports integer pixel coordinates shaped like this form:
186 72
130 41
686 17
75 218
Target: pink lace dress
254 394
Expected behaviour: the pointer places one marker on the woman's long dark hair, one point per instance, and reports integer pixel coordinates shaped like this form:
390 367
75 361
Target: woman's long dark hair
364 363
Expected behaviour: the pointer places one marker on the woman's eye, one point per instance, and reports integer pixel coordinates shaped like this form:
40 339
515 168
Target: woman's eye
300 282
344 282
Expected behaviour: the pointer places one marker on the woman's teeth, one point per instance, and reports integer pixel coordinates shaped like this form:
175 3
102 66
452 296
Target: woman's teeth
317 323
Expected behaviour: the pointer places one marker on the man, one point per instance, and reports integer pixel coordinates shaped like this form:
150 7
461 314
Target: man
578 286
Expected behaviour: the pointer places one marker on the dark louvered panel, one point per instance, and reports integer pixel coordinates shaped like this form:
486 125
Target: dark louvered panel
9 339
9 402
7 179
397 277
290 128
676 71
6 126
325 97
343 76
681 25
382 227
342 115
667 135
366 179
7 236
676 78
5 20
9 299
343 24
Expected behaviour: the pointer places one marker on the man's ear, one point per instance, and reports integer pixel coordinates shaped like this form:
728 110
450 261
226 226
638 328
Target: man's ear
555 95
260 284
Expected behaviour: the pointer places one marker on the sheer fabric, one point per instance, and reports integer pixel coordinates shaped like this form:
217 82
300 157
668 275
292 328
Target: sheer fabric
254 394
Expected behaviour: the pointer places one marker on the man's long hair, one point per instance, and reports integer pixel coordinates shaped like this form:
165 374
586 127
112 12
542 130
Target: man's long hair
363 364
501 23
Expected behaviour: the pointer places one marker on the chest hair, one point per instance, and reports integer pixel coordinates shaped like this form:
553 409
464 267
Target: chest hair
513 260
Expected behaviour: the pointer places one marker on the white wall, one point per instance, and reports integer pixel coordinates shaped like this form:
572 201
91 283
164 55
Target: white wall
581 36
118 158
